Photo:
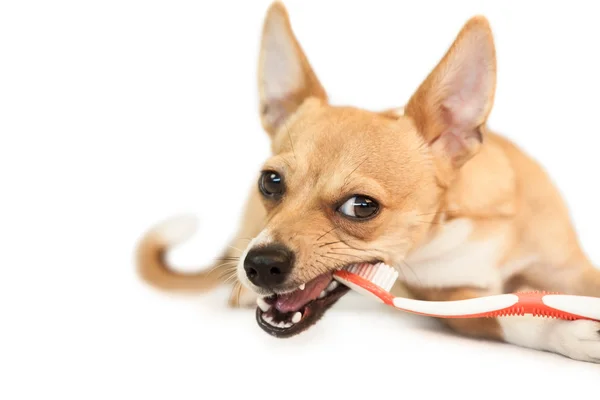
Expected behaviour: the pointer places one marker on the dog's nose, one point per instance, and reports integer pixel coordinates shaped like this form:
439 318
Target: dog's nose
268 266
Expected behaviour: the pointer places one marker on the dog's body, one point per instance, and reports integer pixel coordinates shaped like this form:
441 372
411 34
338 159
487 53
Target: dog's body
460 211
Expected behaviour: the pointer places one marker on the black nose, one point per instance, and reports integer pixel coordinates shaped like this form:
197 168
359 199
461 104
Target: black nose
268 266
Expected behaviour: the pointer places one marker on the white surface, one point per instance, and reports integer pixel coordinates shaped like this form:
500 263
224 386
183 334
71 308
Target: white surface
458 307
117 114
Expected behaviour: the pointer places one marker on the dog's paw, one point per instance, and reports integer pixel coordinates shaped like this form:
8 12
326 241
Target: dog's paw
579 340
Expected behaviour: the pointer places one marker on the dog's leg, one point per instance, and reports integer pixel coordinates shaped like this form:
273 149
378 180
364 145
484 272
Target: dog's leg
575 339
575 276
579 340
589 282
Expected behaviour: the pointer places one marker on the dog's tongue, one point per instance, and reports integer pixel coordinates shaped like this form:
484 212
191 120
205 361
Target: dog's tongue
297 299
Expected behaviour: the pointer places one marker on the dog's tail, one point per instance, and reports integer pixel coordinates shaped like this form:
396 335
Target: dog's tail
151 258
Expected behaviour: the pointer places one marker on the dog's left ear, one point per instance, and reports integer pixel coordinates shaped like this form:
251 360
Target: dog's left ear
285 77
452 105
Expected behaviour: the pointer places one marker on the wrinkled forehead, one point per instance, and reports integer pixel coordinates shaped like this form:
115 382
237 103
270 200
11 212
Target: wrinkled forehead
326 129
338 143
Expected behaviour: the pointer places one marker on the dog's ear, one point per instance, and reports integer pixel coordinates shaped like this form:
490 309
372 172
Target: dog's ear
285 77
452 105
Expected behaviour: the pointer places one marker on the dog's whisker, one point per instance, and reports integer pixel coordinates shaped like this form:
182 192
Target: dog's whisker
230 278
291 143
223 274
437 212
322 263
229 263
348 244
227 259
269 219
354 249
227 274
430 222
319 269
373 252
399 268
347 255
229 270
429 213
330 243
285 126
332 258
239 292
226 279
354 170
326 233
235 248
412 270
346 248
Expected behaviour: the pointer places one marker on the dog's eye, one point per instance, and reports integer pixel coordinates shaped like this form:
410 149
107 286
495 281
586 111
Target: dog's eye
359 207
271 184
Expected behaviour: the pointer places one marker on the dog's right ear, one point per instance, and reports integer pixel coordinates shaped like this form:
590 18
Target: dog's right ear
285 77
452 105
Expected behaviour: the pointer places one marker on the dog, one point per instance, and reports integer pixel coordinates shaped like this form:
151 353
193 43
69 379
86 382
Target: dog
428 188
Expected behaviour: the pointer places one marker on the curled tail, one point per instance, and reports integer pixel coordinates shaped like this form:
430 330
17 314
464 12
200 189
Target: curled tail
151 258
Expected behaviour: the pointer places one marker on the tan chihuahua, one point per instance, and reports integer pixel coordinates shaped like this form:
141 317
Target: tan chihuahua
428 188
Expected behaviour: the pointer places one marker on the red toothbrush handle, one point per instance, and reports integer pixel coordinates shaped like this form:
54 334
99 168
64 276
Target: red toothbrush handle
532 303
537 304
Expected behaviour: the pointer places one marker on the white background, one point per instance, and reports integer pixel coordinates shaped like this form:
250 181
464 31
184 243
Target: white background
117 114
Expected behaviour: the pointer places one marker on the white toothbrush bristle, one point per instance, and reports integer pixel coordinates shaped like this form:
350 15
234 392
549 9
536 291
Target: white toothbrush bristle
379 274
384 276
391 278
363 268
371 272
378 278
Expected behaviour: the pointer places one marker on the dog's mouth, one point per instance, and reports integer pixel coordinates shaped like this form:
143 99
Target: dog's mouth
286 315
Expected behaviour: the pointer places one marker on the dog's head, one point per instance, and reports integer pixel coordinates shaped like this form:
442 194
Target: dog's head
346 185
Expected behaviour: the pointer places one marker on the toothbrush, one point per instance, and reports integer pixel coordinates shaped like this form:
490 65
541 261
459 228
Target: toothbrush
376 281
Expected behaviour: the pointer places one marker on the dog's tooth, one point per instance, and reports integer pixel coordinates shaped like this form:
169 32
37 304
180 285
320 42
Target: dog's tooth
302 287
297 317
332 286
262 304
288 325
281 324
323 294
267 318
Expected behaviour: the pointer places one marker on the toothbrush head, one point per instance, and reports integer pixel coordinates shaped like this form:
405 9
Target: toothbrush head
375 280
